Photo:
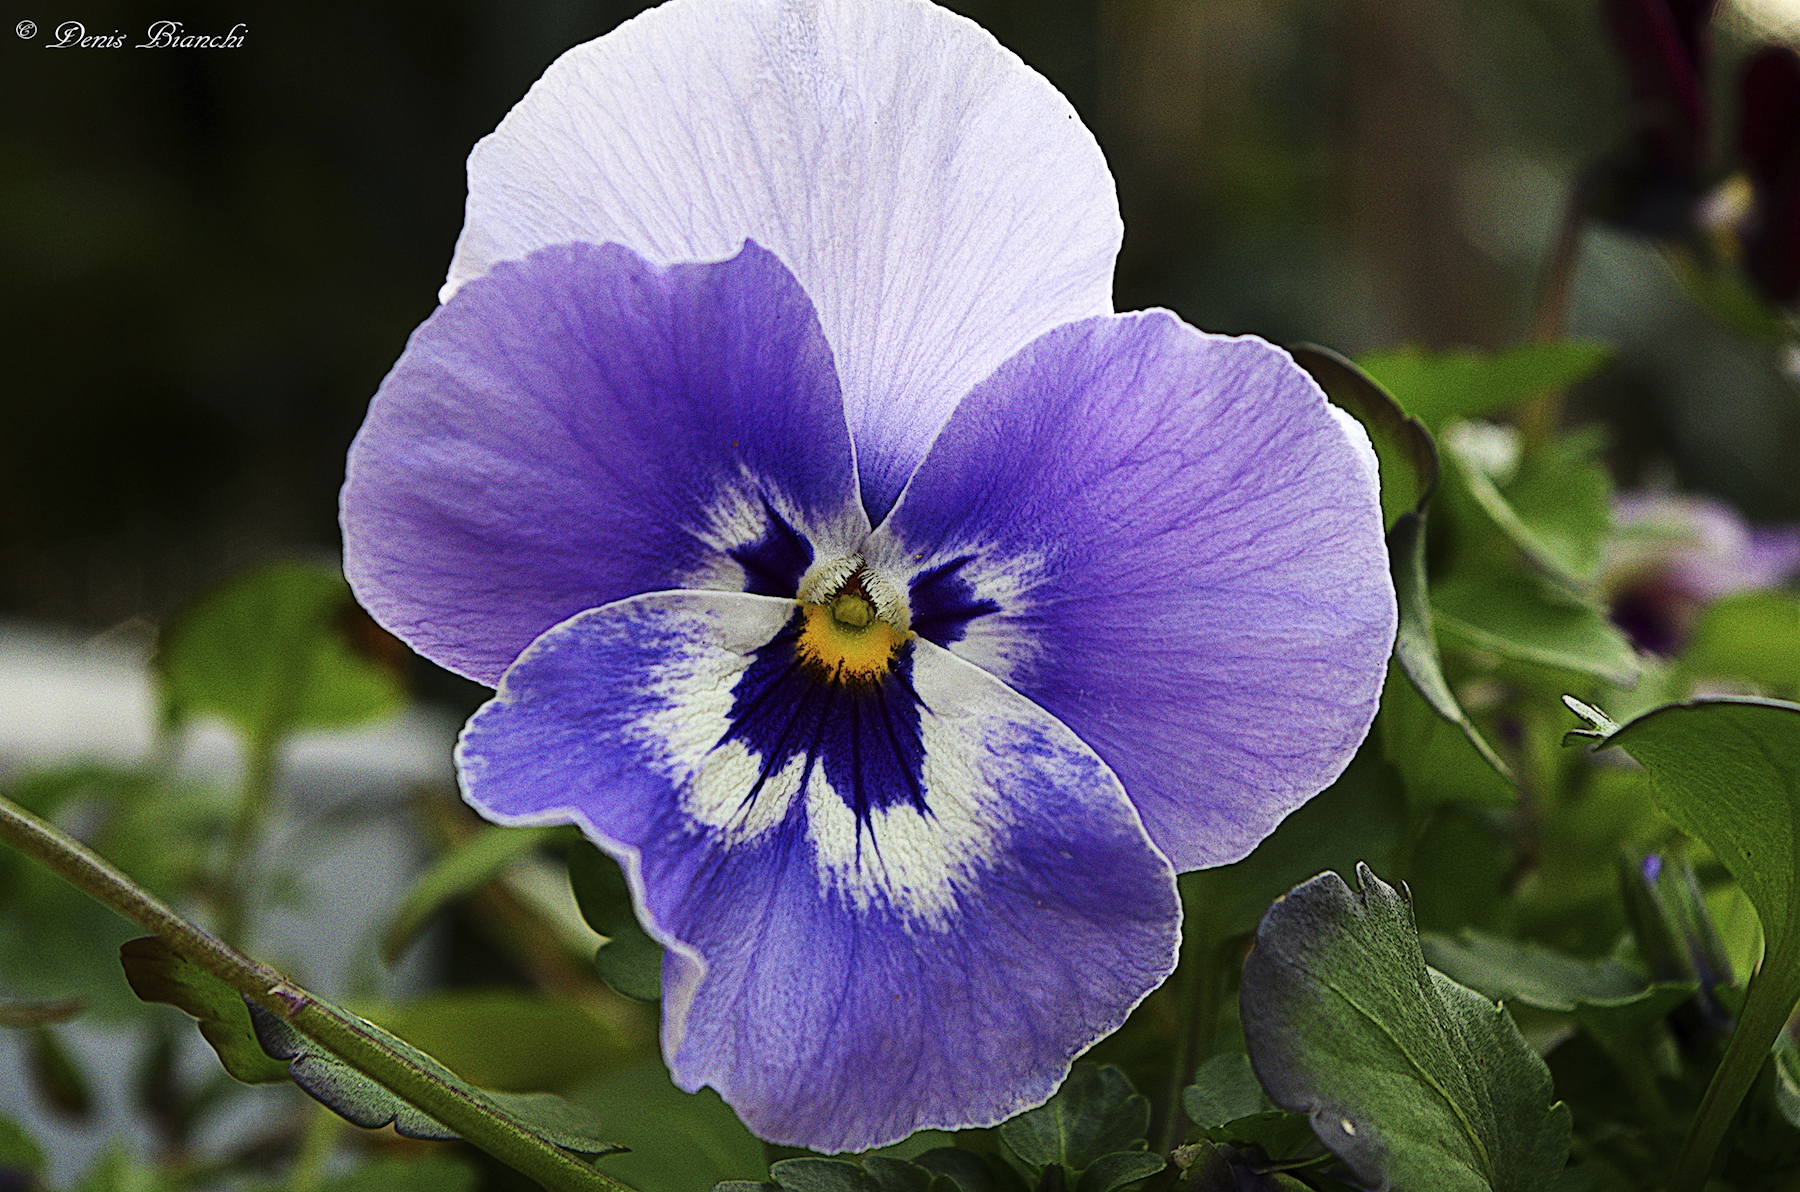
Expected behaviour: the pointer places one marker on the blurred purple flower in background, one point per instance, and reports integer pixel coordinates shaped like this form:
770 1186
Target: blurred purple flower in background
1673 555
898 616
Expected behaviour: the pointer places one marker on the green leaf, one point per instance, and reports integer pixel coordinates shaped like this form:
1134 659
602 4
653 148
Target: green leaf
1409 1078
1228 1105
1787 1079
1407 457
966 1170
158 974
512 1040
630 961
1441 387
119 1170
680 1142
1437 761
1415 646
59 1077
1096 1112
1727 771
1224 1090
1517 619
1109 1172
19 1151
1753 636
1507 970
273 651
17 1014
465 867
358 1099
1553 506
1357 818
819 1175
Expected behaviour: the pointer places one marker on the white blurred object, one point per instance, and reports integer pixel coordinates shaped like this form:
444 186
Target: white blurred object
339 820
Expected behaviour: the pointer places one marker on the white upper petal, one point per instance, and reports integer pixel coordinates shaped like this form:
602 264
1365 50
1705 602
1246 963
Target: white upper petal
938 200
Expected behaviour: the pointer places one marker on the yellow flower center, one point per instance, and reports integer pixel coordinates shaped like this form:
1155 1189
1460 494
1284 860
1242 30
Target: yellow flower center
844 639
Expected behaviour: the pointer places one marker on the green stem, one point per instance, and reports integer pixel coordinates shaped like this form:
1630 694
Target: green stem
246 831
1768 1004
341 1033
1550 316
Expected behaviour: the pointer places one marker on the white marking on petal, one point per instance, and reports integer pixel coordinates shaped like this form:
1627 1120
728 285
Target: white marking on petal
1000 643
737 514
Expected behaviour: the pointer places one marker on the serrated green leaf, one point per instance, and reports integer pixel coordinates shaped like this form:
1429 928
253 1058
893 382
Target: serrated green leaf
1404 450
463 868
360 1100
270 652
1096 1112
1409 1078
1228 1105
1440 387
1753 637
1113 1171
158 974
679 1142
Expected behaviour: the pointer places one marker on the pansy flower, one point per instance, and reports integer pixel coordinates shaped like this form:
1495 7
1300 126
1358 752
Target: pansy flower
900 618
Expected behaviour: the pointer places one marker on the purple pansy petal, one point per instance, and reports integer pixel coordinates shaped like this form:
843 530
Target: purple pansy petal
939 201
1168 541
886 909
582 426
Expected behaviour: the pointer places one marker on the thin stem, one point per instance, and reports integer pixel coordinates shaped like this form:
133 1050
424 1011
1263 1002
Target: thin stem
246 831
339 1032
1550 314
1768 1004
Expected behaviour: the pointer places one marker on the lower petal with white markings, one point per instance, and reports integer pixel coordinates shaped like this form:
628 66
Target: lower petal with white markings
894 897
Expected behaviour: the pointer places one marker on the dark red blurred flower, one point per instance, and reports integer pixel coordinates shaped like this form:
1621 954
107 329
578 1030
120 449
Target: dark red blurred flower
1769 142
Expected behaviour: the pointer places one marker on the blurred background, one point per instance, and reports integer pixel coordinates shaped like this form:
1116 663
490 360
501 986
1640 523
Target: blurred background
210 258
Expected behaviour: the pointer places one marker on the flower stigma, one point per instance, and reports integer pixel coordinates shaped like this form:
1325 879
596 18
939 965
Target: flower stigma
853 622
